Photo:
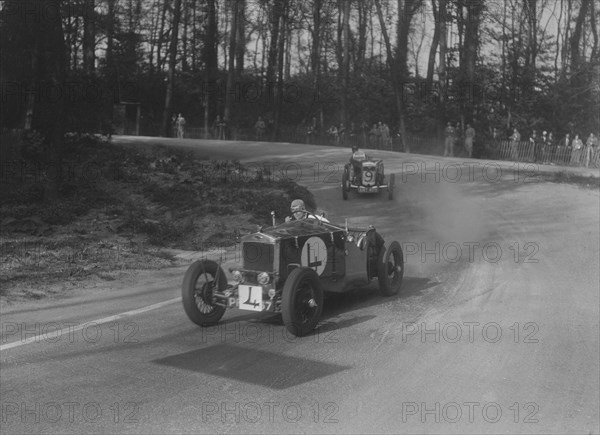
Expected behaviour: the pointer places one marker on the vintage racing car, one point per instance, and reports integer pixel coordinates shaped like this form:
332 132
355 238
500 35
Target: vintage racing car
286 268
365 175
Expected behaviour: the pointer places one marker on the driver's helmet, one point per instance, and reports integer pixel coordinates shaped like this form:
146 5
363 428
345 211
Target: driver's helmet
297 205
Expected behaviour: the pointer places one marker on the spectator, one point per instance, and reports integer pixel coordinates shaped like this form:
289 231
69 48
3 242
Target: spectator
259 128
174 125
534 142
469 137
225 128
341 135
450 135
364 127
379 135
591 149
333 134
352 134
458 134
216 128
385 136
551 146
514 145
311 131
544 146
577 150
563 149
180 126
373 136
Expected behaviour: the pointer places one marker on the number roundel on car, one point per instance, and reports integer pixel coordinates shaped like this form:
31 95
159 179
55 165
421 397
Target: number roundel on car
314 254
368 176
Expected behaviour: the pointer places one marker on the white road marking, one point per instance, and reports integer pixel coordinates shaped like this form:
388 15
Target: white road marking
87 324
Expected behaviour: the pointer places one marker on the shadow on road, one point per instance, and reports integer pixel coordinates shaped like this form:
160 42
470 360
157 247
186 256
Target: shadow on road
259 367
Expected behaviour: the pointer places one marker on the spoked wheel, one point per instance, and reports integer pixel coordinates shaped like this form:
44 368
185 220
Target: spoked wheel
201 280
390 268
302 301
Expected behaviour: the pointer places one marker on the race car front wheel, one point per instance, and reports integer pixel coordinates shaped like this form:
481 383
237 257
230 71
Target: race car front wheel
302 301
200 282
345 183
390 269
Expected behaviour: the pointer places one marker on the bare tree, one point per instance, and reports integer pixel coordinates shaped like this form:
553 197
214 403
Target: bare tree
172 63
231 68
89 36
346 60
395 74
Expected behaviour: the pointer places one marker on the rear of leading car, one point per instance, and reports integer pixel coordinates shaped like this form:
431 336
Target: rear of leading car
369 177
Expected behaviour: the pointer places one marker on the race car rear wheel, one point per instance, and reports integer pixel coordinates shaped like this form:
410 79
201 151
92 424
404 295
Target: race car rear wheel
390 268
345 183
201 280
302 301
391 185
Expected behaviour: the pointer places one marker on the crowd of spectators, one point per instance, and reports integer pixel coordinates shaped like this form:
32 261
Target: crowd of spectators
378 136
545 149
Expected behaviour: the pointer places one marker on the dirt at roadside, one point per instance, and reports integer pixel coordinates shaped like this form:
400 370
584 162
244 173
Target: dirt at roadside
133 214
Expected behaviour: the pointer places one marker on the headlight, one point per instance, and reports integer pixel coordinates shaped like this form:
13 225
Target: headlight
263 278
237 276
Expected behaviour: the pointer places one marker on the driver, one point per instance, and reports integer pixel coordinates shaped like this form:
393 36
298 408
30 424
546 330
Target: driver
356 159
299 212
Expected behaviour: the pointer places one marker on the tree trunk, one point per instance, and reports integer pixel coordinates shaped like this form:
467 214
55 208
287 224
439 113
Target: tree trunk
595 56
315 57
394 75
474 11
576 39
210 57
442 66
172 63
346 61
362 33
240 52
280 53
435 40
184 36
231 67
276 12
406 12
111 73
161 34
89 37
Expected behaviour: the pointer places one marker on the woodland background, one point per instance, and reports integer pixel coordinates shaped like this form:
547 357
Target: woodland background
413 64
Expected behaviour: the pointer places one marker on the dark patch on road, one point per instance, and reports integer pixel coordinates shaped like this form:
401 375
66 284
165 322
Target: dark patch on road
258 367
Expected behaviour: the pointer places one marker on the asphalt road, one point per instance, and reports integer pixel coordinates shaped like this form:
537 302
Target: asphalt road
495 329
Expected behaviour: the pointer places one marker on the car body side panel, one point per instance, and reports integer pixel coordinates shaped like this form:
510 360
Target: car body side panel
356 264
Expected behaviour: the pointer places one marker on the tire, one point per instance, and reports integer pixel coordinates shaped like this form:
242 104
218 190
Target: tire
391 184
345 183
196 292
301 287
390 269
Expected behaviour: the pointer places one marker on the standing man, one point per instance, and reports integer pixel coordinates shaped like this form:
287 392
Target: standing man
591 149
534 142
514 145
259 127
450 134
564 148
577 150
469 137
180 126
